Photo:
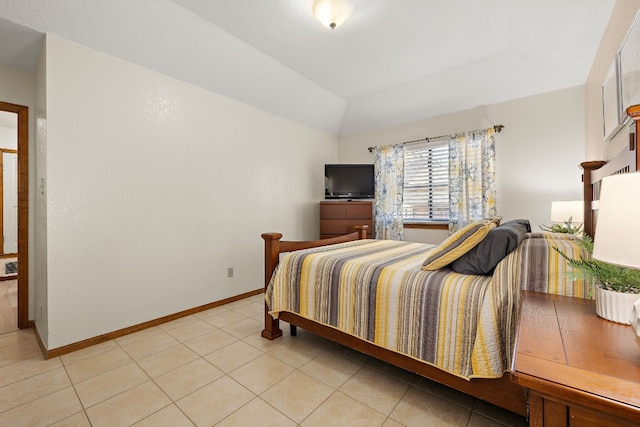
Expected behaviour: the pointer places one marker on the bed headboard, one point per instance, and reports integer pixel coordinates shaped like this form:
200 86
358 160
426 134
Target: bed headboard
593 172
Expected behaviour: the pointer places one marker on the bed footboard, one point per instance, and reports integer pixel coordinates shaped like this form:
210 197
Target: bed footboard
273 247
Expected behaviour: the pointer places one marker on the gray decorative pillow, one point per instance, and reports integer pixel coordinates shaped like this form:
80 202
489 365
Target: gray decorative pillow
498 243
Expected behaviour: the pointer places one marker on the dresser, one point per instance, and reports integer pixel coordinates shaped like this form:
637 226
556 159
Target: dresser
338 218
580 369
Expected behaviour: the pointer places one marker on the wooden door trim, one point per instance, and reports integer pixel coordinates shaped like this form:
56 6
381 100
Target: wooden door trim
23 210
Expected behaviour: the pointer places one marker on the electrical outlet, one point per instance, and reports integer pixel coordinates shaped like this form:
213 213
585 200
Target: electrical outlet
230 272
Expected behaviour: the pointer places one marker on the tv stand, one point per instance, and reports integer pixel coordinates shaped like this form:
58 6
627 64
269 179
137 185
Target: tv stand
341 216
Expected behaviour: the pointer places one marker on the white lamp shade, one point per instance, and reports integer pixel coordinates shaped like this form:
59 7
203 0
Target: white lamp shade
332 13
617 237
562 211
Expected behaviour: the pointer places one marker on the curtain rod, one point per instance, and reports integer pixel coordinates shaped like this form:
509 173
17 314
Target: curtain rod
496 128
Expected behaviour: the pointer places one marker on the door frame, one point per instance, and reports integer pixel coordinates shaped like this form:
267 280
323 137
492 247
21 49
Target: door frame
23 210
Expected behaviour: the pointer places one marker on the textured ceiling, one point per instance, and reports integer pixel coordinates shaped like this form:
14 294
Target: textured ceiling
391 62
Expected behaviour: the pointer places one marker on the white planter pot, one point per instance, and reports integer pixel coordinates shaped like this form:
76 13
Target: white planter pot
615 306
635 320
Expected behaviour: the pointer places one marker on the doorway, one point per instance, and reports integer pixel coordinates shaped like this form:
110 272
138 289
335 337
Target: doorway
8 222
14 271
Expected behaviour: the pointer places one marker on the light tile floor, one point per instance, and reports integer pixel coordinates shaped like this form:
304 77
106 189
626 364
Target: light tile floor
213 368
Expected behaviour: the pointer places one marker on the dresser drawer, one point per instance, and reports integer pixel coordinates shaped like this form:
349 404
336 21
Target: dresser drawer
333 211
359 211
338 218
344 226
342 210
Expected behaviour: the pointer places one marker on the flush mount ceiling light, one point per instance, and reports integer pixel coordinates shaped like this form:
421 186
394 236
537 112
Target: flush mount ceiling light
332 13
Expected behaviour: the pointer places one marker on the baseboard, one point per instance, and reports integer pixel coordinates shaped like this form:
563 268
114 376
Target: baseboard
59 351
43 349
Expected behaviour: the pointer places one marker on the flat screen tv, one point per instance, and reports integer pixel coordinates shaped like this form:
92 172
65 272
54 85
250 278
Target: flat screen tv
348 181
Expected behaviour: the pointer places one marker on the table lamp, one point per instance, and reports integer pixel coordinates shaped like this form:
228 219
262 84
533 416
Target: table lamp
567 212
617 238
567 216
617 235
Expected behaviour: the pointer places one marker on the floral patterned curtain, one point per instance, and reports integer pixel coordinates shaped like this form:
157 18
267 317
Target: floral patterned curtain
389 177
472 178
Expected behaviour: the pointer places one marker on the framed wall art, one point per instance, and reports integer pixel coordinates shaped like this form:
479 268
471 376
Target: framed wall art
611 106
630 68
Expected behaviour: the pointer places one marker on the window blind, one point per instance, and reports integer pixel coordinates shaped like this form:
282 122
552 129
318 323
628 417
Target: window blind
426 182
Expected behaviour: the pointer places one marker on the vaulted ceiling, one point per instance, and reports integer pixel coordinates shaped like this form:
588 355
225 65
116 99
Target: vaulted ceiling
390 63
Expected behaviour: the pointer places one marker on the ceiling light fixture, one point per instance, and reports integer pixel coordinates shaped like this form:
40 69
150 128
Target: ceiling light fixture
332 13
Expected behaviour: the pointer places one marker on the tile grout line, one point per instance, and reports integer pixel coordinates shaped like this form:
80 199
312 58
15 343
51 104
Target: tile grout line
202 357
398 403
258 396
167 331
158 386
335 390
298 370
84 410
47 394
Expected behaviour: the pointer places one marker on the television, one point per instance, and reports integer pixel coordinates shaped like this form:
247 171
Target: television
348 181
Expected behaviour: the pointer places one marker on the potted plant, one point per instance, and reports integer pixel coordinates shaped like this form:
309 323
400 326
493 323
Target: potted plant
567 228
616 288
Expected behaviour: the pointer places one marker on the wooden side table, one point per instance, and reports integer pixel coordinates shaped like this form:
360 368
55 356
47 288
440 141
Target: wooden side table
580 370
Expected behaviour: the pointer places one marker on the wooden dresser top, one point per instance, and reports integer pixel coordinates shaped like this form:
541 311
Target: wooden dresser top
565 350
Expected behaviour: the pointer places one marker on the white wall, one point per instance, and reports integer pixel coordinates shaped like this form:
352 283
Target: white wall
537 154
39 207
155 187
596 148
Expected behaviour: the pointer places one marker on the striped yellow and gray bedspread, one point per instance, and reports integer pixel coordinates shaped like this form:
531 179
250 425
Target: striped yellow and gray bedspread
377 291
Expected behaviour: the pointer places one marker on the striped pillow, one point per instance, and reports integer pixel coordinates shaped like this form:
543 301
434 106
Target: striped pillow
458 244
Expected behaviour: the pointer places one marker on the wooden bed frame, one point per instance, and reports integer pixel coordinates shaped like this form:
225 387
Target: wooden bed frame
502 392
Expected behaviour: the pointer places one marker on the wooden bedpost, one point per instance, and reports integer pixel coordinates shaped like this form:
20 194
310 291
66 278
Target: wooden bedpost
272 248
362 231
271 329
634 112
587 191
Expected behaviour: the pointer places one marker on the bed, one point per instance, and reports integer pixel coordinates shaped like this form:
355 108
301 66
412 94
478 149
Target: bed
463 347
401 314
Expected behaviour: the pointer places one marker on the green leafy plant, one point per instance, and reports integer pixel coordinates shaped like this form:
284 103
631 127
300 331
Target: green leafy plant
607 276
567 227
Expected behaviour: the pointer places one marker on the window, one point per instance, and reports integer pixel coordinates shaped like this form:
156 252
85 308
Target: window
426 182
